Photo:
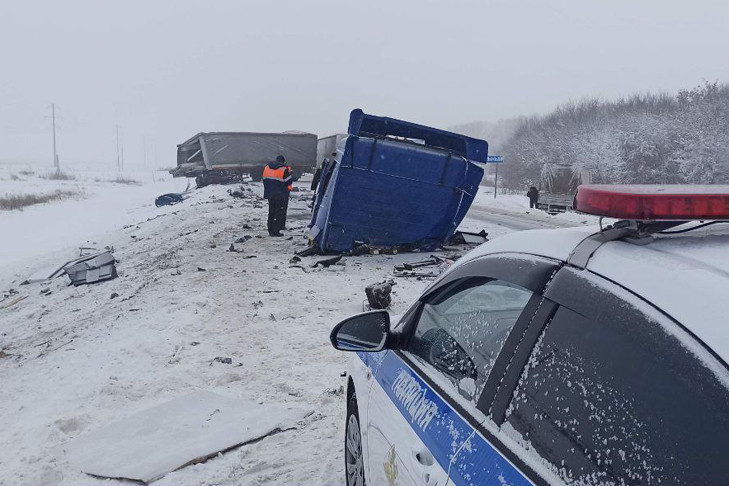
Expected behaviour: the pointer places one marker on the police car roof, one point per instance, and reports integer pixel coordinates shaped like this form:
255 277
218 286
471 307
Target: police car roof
686 276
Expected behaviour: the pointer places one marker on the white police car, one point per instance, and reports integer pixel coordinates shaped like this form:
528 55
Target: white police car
557 356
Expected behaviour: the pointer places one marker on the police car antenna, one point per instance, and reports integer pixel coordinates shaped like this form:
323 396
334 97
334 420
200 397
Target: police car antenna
686 230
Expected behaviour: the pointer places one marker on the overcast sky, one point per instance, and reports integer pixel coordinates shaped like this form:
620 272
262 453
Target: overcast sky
165 70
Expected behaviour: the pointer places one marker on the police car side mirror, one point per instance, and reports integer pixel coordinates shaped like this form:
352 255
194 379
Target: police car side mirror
364 332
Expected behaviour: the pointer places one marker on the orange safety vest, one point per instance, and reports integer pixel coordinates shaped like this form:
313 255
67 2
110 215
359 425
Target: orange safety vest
277 174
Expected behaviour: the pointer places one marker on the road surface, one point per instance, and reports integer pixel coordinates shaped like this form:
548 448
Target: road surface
517 221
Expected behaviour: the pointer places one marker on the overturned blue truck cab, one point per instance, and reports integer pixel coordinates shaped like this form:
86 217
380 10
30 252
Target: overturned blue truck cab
395 184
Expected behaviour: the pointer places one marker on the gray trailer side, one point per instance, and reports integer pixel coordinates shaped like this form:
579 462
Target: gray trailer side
325 146
217 156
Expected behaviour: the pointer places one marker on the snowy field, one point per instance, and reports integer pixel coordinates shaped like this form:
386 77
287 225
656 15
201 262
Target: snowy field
77 358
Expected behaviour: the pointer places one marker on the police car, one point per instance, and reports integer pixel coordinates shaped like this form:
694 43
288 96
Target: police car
576 356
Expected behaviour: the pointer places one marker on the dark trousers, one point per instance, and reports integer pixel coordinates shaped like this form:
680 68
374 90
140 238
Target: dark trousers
277 215
532 202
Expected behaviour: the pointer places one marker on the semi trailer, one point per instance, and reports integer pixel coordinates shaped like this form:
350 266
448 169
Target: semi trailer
227 157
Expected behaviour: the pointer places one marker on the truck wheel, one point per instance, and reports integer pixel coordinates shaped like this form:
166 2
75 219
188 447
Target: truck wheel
353 456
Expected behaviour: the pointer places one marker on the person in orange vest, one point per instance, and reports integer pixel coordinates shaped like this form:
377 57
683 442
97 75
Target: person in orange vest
276 188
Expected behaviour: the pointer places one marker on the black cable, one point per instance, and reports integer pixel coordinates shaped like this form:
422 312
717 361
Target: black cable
703 225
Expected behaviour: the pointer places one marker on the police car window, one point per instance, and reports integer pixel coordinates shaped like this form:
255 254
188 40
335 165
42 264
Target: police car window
461 332
618 400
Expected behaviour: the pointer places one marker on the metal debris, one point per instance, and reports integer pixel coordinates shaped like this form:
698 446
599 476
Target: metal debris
467 238
435 266
432 260
95 268
327 262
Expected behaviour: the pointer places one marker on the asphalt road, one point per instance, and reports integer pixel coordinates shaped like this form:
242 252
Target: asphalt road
534 219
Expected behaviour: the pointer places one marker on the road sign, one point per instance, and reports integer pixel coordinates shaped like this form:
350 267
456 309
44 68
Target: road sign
495 159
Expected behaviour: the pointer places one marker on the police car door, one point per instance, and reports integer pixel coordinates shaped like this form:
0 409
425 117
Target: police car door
423 404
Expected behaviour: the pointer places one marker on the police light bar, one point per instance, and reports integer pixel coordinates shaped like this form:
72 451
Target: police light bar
654 202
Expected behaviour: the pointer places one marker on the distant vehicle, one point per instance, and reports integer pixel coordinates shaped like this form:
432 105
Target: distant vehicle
557 191
326 146
557 357
226 157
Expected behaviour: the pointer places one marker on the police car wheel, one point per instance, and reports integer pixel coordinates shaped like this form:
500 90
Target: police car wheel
353 458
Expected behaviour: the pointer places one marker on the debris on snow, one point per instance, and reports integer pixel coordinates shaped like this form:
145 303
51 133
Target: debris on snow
379 295
184 431
233 249
467 238
432 260
168 199
328 262
92 269
237 193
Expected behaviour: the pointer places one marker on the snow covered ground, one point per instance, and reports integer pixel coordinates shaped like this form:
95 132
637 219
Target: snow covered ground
42 235
77 358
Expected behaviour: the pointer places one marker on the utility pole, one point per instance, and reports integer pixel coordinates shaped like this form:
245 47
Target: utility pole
55 154
118 162
122 158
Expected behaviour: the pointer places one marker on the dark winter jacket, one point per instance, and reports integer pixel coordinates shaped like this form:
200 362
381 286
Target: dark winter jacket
277 188
533 193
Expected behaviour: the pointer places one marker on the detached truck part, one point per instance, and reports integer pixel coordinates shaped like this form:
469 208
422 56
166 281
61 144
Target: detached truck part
396 184
225 157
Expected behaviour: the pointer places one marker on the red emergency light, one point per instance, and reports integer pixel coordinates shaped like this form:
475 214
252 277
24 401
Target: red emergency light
654 202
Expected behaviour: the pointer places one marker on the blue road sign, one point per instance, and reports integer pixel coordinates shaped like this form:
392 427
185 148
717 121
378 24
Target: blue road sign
495 159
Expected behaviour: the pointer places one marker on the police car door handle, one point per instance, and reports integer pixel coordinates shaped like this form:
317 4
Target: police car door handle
425 461
424 457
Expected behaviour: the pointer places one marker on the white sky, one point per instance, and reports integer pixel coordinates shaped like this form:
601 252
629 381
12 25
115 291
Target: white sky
165 70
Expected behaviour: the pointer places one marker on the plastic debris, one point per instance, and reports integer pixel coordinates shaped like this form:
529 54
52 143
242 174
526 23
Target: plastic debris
92 269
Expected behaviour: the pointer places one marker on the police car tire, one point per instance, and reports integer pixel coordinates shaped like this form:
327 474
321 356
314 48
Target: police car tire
352 411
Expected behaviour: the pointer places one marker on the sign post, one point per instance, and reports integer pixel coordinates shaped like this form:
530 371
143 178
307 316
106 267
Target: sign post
495 159
496 180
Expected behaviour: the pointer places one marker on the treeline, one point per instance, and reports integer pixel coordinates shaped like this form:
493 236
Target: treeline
646 139
496 133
